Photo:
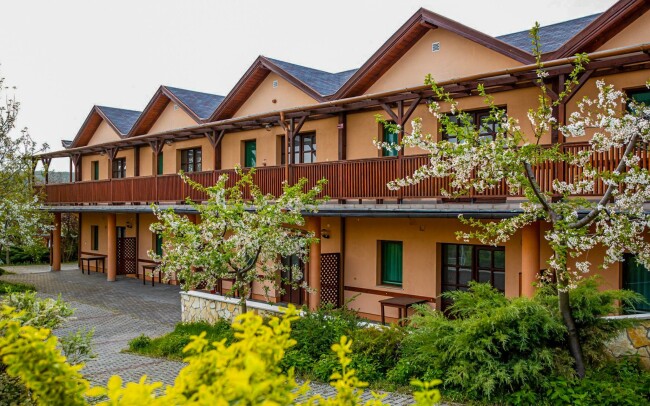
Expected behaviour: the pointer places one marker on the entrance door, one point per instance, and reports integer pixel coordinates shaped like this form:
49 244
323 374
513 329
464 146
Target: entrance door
637 279
290 295
126 261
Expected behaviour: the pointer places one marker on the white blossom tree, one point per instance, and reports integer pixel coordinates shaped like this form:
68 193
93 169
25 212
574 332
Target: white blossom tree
616 220
242 235
21 220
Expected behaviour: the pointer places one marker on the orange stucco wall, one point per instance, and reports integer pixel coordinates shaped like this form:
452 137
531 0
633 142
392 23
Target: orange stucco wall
452 61
171 118
104 133
285 95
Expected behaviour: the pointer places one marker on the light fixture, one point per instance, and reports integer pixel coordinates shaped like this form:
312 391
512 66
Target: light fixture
129 224
169 142
325 233
268 126
102 152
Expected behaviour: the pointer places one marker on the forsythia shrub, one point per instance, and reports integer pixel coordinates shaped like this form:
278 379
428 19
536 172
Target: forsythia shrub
246 372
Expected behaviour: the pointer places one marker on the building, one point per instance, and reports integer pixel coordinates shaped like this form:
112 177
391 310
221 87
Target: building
290 121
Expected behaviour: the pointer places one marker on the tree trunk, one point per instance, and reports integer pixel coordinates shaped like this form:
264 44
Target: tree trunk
574 340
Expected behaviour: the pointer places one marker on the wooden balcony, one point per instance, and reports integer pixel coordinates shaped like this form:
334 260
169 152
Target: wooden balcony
351 179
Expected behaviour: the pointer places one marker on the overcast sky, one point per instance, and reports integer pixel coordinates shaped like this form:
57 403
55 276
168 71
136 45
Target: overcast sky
65 56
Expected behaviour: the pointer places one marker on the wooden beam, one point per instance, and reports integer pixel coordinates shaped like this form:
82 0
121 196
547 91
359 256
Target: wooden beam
586 75
390 112
342 129
414 104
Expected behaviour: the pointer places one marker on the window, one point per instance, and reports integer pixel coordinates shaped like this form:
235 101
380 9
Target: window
389 135
250 153
464 263
159 164
640 96
391 262
283 150
304 148
486 131
120 231
119 168
191 160
637 279
157 243
94 238
94 170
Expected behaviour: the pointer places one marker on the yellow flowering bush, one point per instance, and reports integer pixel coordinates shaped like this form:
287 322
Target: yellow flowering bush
246 372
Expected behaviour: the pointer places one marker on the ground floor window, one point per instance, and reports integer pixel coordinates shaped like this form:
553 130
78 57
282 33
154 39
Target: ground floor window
157 241
391 262
637 279
94 238
464 263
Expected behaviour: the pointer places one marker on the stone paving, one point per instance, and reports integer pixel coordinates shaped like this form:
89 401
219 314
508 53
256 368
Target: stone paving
120 311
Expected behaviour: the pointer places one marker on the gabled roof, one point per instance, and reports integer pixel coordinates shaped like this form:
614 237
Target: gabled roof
120 120
551 36
315 83
197 105
324 83
603 28
409 34
201 104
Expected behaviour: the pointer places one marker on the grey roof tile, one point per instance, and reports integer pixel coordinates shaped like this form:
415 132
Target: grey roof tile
325 83
202 104
551 36
122 119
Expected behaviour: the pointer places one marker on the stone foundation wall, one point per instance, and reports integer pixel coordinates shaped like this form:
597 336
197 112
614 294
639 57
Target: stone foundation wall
633 341
201 306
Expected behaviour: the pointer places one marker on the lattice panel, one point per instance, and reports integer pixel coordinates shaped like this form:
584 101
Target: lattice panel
330 278
126 256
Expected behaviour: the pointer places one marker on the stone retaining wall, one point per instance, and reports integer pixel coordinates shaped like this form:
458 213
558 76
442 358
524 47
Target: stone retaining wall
633 341
201 306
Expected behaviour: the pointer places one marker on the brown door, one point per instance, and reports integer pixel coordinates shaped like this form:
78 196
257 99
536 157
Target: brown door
290 295
126 255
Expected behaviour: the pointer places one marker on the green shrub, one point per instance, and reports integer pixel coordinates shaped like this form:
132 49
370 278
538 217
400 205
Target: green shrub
171 345
492 347
37 253
36 312
13 287
77 346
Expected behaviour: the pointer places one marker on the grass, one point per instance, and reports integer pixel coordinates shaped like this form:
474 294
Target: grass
6 287
5 272
171 345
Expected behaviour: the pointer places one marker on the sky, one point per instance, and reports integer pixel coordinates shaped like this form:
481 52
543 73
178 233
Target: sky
65 56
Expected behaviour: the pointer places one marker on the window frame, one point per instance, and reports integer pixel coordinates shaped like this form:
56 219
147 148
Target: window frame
157 243
196 165
118 168
94 237
246 144
94 170
384 153
383 280
474 266
299 141
476 116
160 168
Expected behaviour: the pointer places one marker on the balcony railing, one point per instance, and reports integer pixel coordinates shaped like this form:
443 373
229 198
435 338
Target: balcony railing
351 179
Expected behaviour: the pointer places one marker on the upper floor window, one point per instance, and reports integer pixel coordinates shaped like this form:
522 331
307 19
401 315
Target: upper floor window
250 153
159 164
640 96
94 170
487 129
391 136
119 168
304 148
191 160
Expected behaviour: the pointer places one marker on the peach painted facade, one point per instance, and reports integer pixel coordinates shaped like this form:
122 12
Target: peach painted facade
348 132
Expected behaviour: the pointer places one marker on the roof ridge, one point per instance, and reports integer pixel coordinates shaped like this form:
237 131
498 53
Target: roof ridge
190 90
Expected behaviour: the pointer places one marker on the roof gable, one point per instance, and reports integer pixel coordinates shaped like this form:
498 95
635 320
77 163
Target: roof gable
172 117
603 28
119 121
408 35
325 83
198 105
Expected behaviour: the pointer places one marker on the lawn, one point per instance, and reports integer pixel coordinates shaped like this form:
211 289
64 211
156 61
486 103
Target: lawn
6 286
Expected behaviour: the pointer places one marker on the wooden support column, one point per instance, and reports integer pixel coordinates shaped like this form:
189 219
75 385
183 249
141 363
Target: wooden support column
156 146
79 238
343 136
291 129
530 257
137 246
111 259
314 225
215 140
136 161
46 169
56 243
76 162
70 171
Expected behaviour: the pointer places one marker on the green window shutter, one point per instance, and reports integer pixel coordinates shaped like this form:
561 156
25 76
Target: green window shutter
94 231
160 164
95 170
250 153
637 279
391 262
642 97
390 136
158 244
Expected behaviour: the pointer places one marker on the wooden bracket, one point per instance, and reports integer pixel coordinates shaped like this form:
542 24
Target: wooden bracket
157 146
112 152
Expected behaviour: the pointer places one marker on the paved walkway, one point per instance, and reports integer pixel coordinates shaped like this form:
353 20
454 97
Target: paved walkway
120 311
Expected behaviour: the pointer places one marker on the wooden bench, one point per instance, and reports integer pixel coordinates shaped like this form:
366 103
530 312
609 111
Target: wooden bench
401 304
96 259
153 268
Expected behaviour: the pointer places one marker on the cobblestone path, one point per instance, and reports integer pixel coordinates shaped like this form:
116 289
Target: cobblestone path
120 311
